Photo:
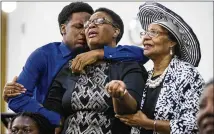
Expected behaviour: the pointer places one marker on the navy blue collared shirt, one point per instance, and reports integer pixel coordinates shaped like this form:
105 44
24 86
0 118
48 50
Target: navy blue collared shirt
42 66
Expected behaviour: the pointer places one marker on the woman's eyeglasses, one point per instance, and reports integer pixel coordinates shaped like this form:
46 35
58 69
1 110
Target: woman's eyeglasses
99 21
151 34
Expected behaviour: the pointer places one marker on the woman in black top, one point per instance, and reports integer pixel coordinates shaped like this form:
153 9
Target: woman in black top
82 98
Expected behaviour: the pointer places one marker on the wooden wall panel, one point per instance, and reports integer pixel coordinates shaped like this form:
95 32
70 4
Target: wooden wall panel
3 60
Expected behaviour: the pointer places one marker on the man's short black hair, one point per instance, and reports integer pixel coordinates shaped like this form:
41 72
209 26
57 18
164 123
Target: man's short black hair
116 20
45 127
74 7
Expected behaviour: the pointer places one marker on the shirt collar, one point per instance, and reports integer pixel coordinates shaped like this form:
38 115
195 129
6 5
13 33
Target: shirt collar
65 50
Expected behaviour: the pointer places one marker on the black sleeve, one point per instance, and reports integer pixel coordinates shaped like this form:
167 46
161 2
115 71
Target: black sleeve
56 91
134 76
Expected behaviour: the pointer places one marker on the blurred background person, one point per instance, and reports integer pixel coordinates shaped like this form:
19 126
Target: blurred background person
206 109
30 123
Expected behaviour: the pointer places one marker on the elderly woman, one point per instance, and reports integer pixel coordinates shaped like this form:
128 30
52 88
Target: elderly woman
82 99
170 98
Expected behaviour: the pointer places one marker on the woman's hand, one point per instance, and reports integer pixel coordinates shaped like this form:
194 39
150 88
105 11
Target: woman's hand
138 119
116 88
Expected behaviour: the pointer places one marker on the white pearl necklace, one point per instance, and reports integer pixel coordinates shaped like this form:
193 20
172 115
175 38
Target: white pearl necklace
154 83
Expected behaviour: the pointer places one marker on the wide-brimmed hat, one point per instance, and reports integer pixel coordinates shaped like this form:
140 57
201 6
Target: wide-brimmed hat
152 12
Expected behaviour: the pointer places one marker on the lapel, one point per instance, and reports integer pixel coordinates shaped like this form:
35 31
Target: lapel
145 91
163 104
162 108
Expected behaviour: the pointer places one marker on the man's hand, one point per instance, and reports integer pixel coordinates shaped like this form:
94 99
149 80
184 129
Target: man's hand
12 89
85 59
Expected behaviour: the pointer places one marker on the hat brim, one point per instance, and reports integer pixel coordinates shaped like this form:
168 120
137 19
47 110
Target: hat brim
188 43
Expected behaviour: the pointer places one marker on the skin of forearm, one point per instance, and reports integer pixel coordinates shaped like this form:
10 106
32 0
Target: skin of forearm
125 105
162 127
100 54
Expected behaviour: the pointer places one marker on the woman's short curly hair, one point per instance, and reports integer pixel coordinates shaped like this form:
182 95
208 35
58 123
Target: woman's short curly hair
116 20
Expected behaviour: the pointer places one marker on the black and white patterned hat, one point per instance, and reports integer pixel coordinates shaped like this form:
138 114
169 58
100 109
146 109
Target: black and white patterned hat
152 12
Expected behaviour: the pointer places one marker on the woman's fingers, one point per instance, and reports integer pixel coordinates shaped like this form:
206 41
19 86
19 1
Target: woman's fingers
115 88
